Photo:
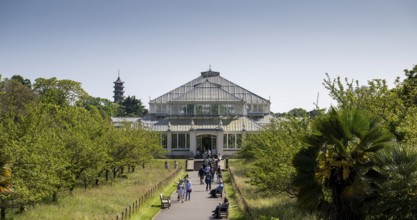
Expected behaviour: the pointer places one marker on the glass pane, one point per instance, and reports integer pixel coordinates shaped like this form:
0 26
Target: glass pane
181 140
187 141
238 140
190 109
199 109
163 140
231 140
174 142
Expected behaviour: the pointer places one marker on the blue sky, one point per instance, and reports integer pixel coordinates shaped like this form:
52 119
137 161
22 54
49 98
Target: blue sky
276 49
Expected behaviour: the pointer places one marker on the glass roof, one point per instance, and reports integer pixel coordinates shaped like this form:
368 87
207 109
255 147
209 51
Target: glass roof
210 88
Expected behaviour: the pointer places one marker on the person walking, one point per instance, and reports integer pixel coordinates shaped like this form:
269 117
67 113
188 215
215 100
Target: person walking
189 189
212 171
219 174
208 181
201 175
181 191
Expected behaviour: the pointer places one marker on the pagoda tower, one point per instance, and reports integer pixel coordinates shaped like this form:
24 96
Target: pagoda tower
118 89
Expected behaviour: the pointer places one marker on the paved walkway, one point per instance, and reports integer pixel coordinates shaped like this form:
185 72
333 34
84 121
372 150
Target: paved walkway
199 207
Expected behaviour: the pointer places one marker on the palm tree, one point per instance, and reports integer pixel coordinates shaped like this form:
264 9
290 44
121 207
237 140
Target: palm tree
396 195
333 167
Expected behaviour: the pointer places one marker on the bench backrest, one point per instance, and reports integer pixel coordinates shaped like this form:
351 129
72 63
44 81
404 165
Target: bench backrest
224 207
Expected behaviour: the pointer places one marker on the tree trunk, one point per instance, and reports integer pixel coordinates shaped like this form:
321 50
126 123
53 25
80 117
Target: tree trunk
55 197
107 175
114 173
3 213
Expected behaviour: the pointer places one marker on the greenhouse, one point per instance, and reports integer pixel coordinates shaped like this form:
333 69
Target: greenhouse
207 114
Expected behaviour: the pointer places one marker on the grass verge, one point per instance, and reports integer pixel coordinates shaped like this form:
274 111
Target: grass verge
263 205
103 202
235 212
153 205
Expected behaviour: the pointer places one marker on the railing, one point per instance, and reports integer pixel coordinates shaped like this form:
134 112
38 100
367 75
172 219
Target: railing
132 209
239 196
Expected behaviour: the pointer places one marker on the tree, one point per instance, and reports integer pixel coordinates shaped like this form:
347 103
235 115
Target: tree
14 99
408 88
396 106
60 92
33 149
5 185
106 107
23 81
298 112
271 151
81 132
131 106
333 166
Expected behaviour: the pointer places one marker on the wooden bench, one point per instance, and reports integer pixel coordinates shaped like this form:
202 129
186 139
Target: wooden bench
220 193
165 201
224 211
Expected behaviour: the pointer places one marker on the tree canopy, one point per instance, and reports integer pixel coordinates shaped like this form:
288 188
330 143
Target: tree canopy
56 137
132 107
354 161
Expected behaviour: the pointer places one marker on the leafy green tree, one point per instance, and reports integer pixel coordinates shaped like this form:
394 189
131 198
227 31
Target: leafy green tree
298 112
14 99
57 137
61 92
131 106
406 120
271 150
31 146
396 106
408 88
333 166
23 81
5 184
80 132
106 107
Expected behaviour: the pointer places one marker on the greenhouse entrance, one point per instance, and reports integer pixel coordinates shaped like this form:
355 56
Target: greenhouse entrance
206 143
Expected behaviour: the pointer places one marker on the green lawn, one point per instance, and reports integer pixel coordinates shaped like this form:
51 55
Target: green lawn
105 201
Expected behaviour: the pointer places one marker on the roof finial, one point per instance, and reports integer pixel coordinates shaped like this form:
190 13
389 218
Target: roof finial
118 72
209 67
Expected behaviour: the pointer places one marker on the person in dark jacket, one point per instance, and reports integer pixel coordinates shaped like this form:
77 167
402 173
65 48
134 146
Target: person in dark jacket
225 204
201 174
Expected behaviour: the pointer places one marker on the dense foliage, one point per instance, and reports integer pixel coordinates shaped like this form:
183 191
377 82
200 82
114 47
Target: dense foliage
355 161
270 152
131 107
333 168
54 137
